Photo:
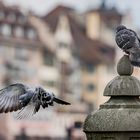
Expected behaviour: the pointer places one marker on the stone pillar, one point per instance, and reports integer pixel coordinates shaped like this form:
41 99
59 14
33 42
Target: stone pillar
119 117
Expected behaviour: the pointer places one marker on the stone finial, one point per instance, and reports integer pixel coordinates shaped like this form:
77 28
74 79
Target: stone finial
124 84
124 66
119 117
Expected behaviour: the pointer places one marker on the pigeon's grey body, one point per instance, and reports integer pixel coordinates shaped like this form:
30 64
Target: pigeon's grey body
20 97
129 42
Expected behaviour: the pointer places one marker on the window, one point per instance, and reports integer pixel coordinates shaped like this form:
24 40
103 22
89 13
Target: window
21 19
78 124
6 30
2 15
19 32
4 51
63 45
90 87
104 50
48 59
90 68
21 53
11 17
31 34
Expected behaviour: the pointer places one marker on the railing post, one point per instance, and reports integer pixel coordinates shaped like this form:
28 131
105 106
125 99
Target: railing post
119 117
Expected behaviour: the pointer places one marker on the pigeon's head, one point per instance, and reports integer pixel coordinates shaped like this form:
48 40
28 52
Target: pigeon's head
119 28
44 95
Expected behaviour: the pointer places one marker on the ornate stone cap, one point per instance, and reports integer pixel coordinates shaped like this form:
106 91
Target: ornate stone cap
112 120
124 84
121 113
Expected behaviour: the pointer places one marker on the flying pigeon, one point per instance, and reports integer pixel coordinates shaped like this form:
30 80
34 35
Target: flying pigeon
129 42
25 99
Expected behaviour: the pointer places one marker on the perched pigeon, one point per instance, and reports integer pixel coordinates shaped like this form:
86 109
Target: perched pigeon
27 100
129 42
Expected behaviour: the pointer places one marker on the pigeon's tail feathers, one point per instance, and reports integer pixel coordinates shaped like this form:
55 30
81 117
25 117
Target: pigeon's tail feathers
59 101
135 63
135 57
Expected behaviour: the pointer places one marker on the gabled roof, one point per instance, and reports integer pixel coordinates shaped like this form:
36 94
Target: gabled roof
89 51
52 17
10 9
57 10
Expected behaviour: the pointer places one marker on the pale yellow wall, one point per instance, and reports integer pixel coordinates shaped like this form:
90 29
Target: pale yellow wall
104 76
97 28
93 24
101 76
107 35
88 77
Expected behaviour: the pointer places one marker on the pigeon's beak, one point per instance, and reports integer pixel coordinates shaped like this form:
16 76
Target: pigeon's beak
48 98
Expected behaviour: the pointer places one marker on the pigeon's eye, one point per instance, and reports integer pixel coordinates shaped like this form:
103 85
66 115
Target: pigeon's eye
46 96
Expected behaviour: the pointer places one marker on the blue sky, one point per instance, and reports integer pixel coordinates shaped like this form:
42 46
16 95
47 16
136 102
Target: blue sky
43 6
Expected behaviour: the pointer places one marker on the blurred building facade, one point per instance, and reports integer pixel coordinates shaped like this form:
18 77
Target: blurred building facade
85 38
69 53
24 58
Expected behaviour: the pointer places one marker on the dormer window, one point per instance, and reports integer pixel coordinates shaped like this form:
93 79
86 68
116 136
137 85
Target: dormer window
6 29
19 31
90 87
11 17
21 19
2 15
31 34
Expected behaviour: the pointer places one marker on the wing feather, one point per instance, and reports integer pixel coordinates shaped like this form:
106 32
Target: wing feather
26 112
3 102
29 110
7 105
9 97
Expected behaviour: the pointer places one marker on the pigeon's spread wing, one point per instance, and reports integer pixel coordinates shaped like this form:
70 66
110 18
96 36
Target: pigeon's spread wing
59 101
9 98
29 110
26 112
